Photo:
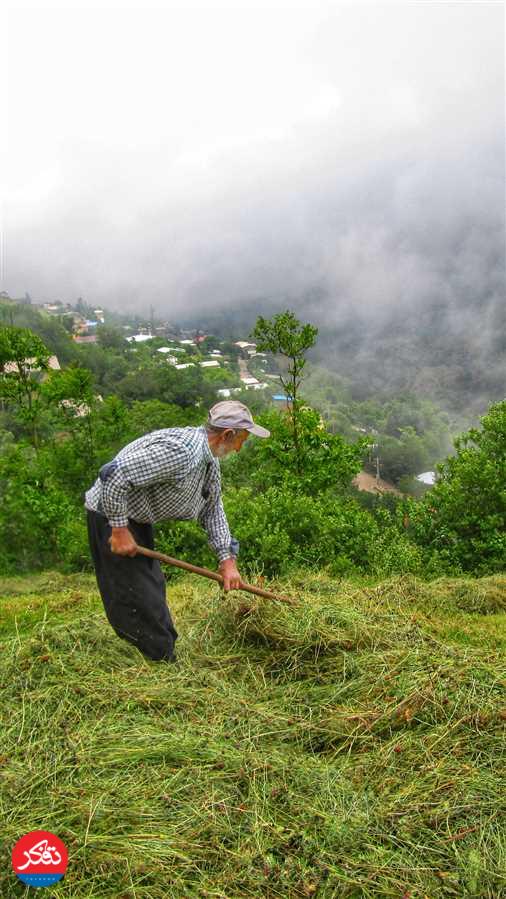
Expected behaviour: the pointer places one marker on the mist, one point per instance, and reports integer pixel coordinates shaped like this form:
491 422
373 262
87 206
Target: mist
344 161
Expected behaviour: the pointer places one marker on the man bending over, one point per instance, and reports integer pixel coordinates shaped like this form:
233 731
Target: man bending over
173 473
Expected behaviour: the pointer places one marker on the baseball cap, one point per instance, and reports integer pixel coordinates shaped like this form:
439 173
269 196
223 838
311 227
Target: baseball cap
233 414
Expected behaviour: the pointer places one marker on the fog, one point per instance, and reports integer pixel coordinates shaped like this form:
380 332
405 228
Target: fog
344 160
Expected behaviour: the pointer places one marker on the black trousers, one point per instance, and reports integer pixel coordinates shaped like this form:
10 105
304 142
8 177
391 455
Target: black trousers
133 590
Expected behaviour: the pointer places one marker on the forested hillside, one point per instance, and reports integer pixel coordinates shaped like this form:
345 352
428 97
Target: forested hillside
290 500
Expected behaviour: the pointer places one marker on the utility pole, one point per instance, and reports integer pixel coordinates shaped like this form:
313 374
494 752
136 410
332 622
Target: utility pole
152 319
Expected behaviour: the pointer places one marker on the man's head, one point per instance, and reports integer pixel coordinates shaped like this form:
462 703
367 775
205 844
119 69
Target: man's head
229 425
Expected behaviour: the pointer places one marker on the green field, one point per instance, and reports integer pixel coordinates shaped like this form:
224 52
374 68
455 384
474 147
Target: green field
352 745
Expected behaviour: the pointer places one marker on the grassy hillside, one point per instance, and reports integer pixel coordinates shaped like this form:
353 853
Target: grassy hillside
352 746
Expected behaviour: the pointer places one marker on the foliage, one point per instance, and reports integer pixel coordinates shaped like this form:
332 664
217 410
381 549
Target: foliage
285 336
320 461
110 337
464 514
280 529
37 517
48 328
152 415
289 501
410 434
20 386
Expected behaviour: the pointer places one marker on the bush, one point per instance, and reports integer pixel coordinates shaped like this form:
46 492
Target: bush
35 514
464 515
279 530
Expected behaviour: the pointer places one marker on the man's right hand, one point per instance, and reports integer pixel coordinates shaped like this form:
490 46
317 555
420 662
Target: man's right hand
122 542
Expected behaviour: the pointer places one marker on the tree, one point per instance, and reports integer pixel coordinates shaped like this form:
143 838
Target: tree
328 461
23 356
464 514
110 337
72 401
286 336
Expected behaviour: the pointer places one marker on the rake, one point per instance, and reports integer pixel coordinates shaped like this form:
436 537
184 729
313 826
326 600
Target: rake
213 575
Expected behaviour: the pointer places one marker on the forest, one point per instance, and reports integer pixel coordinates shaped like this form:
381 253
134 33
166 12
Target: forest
290 501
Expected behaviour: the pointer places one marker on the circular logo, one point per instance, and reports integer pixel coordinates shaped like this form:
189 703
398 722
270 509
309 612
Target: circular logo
39 858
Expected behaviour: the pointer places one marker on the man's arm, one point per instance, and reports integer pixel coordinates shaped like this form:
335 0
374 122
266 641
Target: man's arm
213 519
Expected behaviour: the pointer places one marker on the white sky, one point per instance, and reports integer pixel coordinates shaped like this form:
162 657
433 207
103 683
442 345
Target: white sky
151 150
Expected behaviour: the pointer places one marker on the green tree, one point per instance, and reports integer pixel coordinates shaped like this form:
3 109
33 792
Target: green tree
285 336
72 402
110 337
464 514
23 356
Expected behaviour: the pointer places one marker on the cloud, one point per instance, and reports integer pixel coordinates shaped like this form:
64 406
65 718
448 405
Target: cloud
346 160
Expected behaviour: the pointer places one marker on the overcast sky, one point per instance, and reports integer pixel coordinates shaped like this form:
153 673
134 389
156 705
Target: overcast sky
200 157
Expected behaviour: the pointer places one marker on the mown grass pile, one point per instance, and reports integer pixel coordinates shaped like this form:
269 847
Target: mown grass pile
353 745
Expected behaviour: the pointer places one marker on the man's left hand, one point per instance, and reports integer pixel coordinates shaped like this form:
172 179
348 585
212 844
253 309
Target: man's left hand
232 580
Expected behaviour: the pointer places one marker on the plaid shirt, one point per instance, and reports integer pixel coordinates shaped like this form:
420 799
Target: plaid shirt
165 474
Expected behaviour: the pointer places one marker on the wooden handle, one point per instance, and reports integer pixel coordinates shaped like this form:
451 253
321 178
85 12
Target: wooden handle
213 575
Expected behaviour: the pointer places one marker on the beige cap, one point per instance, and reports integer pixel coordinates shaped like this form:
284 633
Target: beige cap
233 414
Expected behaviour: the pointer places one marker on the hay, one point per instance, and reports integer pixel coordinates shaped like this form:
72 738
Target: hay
353 746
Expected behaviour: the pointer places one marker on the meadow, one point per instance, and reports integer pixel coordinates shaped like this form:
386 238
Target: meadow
351 745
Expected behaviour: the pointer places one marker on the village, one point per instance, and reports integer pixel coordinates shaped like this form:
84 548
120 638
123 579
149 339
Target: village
237 365
181 348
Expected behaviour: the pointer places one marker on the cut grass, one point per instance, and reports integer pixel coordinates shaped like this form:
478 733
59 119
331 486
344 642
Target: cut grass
351 746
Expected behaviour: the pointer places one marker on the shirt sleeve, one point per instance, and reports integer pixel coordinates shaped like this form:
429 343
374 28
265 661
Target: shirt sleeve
156 463
213 519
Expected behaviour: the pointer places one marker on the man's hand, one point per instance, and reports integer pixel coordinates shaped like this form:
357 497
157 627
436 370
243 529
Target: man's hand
122 542
232 580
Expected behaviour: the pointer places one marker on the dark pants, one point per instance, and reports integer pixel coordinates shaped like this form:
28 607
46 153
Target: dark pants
133 590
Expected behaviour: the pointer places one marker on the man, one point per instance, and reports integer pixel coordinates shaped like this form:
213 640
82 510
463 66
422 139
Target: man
173 473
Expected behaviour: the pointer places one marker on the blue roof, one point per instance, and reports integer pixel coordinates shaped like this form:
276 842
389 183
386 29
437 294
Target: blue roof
280 396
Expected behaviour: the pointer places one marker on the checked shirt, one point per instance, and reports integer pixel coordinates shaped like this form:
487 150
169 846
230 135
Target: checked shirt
165 474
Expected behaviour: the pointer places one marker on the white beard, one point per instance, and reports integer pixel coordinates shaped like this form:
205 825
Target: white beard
221 452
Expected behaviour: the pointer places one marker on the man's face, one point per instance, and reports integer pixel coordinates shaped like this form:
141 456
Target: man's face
230 443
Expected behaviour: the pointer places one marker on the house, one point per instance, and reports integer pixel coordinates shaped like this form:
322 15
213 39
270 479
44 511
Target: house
245 345
228 391
53 363
139 338
427 477
85 338
211 364
79 409
167 352
185 365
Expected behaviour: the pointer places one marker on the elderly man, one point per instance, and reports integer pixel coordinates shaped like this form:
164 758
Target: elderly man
173 473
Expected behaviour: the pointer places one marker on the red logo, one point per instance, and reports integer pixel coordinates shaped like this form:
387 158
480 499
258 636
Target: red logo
40 858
